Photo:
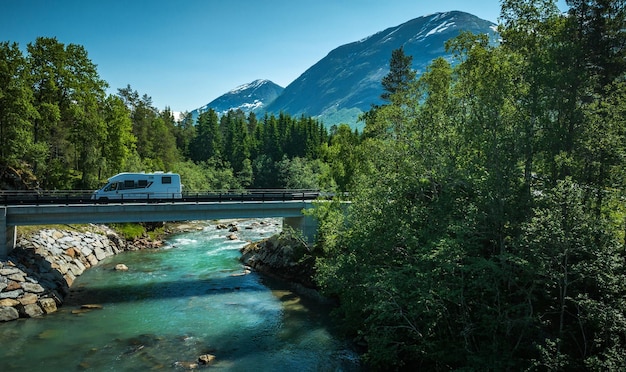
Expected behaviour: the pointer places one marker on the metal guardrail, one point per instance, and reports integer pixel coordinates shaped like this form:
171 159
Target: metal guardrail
51 197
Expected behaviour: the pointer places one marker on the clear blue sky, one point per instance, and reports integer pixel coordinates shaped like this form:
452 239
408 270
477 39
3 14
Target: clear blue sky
185 53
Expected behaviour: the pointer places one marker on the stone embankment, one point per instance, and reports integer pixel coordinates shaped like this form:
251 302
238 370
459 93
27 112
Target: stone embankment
41 269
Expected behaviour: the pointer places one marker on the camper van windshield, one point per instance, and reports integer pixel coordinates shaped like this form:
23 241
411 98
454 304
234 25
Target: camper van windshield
111 187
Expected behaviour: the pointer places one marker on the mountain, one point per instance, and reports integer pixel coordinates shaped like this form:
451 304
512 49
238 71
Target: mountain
252 97
347 81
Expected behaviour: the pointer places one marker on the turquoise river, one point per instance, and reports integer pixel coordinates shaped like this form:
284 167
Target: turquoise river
190 298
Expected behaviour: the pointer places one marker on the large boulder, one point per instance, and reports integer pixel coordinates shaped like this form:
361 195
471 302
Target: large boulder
48 305
32 287
8 313
9 302
283 256
31 310
27 299
11 294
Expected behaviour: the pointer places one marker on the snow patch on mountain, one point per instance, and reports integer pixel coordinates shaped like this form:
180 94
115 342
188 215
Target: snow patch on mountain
246 107
250 86
250 97
441 28
389 35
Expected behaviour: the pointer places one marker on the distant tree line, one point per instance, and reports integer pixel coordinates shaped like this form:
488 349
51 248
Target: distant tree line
57 122
487 216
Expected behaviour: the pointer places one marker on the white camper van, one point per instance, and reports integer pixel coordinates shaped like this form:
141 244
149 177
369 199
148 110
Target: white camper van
156 185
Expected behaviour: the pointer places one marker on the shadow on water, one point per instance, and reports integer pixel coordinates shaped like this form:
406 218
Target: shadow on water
294 340
256 348
132 291
38 268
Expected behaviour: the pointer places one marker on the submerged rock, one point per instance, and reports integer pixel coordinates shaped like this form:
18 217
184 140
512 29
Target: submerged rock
206 359
186 365
91 306
121 267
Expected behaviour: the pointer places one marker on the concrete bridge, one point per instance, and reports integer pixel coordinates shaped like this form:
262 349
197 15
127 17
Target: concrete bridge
186 209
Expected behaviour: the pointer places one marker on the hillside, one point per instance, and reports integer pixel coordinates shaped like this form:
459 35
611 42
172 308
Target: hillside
347 80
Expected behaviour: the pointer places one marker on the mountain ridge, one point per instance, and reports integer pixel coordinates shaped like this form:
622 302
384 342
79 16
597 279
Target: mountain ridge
347 81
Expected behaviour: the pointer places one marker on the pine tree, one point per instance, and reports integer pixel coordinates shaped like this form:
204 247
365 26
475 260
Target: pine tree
207 143
400 74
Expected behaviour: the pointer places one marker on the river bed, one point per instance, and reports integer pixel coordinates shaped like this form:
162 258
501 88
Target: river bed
192 297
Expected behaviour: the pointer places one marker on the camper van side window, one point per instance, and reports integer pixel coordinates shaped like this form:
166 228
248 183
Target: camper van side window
142 183
129 184
166 179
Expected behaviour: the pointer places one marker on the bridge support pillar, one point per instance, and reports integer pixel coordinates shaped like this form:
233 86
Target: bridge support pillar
306 224
8 235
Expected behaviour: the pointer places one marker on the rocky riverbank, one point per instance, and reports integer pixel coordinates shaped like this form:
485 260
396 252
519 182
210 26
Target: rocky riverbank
287 257
41 269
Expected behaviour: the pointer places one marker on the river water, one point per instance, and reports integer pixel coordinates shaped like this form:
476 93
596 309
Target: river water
190 298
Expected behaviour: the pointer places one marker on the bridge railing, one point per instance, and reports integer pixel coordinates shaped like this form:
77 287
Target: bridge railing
35 197
42 197
251 195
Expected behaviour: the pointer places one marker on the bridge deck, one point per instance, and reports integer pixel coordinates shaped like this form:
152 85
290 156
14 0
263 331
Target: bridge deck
19 215
173 210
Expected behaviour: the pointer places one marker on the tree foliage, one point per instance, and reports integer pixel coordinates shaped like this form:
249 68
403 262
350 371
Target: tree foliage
16 107
485 212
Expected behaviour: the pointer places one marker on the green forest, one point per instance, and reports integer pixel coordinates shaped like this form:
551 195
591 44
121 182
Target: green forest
58 125
486 222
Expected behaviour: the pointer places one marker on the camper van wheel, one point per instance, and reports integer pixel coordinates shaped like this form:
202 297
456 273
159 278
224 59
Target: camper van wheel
103 200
